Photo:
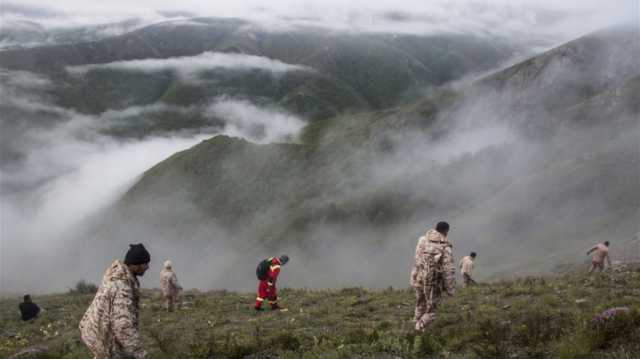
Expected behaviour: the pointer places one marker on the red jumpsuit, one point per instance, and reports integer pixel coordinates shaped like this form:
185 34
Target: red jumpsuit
267 287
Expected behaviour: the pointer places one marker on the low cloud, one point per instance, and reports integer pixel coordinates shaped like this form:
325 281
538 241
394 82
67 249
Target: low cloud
189 66
254 123
69 169
539 23
24 80
69 173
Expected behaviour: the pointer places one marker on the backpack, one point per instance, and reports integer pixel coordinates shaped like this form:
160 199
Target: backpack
262 272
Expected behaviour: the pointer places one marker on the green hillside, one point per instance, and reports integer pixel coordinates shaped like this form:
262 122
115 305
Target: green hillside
531 317
558 185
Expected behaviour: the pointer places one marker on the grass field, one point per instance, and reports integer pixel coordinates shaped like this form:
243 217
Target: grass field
533 317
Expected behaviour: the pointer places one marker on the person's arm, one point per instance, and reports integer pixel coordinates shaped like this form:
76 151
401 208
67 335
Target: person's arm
273 275
449 271
608 259
418 258
173 280
124 323
592 249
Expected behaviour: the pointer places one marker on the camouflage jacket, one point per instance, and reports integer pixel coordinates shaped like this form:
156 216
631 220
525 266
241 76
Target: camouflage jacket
434 265
169 283
110 326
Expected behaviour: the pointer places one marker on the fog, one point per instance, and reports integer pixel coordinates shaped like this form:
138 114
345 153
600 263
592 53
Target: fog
526 202
484 168
257 124
67 170
189 67
550 22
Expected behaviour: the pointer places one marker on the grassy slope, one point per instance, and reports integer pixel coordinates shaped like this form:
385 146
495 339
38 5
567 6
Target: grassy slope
334 149
531 317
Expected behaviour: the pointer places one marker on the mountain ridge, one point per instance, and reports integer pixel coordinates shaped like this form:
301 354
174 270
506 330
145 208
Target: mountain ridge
334 175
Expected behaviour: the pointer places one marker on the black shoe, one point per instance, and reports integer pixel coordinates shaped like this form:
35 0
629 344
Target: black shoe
258 309
276 307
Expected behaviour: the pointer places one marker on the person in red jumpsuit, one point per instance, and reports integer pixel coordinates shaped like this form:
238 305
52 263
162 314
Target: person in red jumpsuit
267 288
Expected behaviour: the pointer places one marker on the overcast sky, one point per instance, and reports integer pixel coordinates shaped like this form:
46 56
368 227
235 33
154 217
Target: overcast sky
563 19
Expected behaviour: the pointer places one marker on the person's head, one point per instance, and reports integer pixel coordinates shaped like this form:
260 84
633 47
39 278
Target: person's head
284 259
473 255
443 228
606 243
27 298
137 259
168 264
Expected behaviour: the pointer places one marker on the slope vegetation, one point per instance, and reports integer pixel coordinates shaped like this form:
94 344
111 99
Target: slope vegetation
531 185
532 317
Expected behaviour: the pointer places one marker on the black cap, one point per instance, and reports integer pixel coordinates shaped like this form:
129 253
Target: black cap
442 227
284 259
137 254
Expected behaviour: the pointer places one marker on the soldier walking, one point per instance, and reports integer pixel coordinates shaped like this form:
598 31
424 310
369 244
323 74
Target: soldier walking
169 285
433 274
110 326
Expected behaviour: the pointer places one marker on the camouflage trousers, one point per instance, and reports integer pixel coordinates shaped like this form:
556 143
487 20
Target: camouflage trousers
427 299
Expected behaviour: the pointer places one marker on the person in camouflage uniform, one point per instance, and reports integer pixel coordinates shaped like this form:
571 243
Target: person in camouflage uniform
169 285
433 274
109 327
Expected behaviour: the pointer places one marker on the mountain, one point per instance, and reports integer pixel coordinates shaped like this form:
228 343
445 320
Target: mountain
348 71
18 34
600 65
528 166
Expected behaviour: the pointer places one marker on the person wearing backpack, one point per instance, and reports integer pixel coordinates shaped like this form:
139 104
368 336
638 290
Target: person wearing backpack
169 286
267 273
433 274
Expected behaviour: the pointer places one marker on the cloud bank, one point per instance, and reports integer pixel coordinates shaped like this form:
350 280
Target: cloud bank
68 168
189 66
528 21
254 123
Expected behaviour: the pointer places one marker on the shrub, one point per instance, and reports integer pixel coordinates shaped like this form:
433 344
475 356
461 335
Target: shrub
620 329
423 346
84 287
286 341
490 339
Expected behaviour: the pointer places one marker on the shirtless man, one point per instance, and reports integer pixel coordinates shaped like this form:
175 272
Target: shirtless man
600 253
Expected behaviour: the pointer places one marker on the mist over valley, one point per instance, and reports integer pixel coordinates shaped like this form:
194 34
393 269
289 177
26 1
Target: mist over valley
218 141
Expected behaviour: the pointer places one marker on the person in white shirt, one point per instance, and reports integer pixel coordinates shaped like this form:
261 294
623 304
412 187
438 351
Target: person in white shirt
466 268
